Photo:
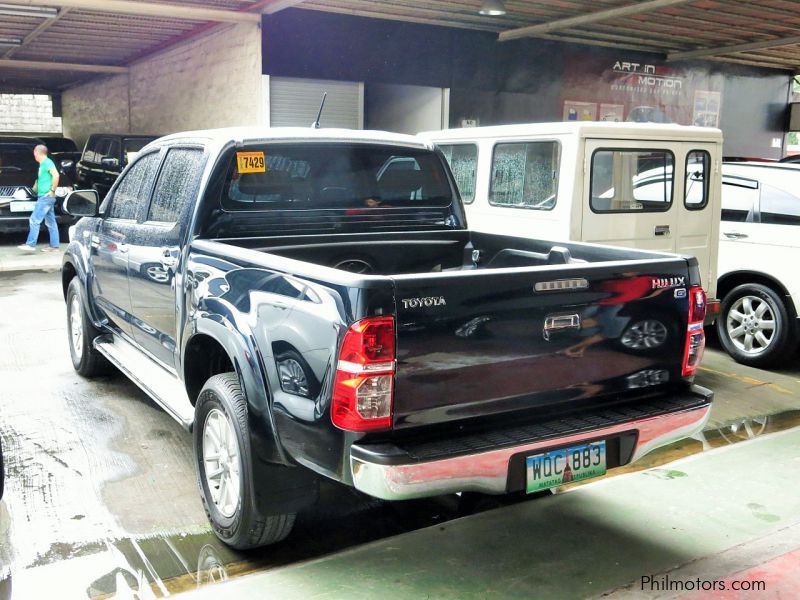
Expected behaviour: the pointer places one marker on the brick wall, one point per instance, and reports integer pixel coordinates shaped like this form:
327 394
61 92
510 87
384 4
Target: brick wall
27 113
211 81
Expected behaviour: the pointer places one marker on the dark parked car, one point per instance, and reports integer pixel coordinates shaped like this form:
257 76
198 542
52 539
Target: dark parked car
311 307
18 171
105 156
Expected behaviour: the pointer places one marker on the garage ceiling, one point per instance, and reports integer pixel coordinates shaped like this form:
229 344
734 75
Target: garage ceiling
47 46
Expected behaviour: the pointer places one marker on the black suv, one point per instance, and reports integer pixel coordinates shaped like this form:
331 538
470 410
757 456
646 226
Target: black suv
104 158
18 170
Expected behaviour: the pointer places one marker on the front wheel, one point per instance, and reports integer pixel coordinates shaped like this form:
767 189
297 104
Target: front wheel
86 359
754 326
224 468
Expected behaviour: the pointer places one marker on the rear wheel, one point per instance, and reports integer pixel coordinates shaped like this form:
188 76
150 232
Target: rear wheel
86 360
223 463
754 326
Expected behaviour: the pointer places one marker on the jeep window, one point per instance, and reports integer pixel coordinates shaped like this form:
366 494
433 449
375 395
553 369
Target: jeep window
739 196
525 175
177 184
779 207
132 194
60 145
16 157
625 181
132 146
92 146
698 167
463 161
354 177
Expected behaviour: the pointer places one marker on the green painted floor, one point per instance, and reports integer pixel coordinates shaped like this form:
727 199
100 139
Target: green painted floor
582 543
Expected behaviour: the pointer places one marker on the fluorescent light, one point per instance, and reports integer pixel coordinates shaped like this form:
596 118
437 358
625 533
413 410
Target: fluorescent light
10 41
20 10
493 8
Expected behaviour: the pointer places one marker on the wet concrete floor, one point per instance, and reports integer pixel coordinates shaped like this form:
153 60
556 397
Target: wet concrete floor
101 498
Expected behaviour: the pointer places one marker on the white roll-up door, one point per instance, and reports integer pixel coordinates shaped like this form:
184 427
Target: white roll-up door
295 102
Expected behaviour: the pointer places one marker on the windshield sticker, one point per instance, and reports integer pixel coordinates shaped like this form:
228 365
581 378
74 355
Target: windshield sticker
250 162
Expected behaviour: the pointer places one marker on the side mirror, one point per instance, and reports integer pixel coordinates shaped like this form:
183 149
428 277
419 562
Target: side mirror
111 163
82 203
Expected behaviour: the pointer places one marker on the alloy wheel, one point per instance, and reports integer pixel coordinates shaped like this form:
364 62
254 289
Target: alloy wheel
750 324
221 462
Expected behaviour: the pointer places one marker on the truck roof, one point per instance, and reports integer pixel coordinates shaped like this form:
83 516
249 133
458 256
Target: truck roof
602 129
226 135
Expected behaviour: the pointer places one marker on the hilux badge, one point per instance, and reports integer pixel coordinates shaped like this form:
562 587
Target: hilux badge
666 283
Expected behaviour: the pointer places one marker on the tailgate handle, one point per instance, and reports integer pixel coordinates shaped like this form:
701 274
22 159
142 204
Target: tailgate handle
662 230
559 323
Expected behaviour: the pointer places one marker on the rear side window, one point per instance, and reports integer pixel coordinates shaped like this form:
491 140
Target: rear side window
177 184
463 161
133 192
739 196
335 176
630 181
779 207
698 173
525 175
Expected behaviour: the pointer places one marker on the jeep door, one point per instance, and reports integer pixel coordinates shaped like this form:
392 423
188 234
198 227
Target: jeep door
123 209
154 265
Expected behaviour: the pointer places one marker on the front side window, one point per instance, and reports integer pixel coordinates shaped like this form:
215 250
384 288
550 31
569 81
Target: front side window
334 176
525 175
463 161
177 184
779 207
131 195
633 181
739 196
698 174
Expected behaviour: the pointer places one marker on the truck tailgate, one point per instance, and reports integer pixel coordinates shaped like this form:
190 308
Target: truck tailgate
478 343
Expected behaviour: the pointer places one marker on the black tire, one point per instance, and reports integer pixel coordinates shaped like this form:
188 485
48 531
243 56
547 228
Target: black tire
246 527
86 360
782 341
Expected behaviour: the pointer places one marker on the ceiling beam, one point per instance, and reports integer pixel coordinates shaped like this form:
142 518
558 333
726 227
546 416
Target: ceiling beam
41 28
722 50
585 19
35 65
274 6
149 9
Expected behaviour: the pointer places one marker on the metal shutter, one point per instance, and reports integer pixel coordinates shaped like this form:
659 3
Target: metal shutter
295 103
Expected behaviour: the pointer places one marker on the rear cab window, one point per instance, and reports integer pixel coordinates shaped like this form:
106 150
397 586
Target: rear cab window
631 181
525 175
463 161
338 186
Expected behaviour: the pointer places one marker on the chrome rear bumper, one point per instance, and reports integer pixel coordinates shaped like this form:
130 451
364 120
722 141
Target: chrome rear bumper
487 472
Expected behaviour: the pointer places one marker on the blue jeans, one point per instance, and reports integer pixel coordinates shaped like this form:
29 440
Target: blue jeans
45 211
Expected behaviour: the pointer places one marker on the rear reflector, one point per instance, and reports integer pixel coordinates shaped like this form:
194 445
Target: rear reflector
695 336
363 389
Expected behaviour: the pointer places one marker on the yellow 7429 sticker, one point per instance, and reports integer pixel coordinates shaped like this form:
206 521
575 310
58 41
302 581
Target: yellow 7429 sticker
250 162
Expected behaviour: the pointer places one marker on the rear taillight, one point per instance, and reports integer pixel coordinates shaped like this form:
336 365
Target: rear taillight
695 337
364 385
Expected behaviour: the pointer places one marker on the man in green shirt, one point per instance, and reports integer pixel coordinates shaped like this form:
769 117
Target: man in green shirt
45 210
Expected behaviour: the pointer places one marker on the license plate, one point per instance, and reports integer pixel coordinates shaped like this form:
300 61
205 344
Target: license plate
557 467
22 206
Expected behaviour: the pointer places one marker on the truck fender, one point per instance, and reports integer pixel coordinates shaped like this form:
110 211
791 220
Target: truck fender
75 263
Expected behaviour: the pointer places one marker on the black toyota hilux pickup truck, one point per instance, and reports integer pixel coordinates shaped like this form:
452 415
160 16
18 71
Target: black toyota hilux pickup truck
311 304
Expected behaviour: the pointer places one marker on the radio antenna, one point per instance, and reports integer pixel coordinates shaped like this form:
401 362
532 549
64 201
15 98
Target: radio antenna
315 124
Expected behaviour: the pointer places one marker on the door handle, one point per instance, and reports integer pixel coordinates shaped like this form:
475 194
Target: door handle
661 230
123 248
735 235
554 323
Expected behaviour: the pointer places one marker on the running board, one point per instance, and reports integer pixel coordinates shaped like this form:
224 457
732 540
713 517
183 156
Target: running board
158 383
